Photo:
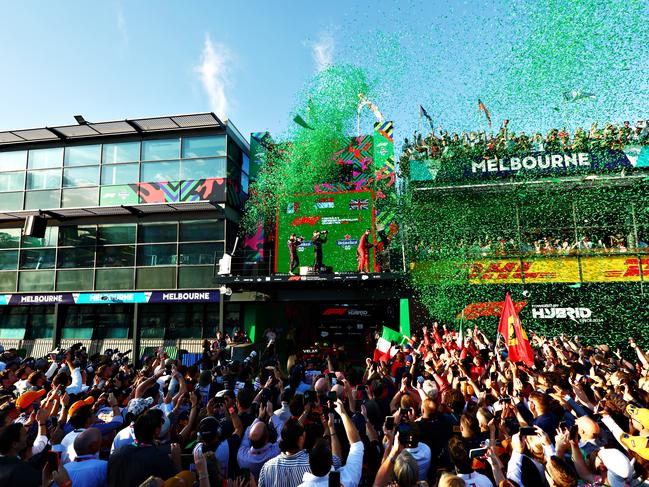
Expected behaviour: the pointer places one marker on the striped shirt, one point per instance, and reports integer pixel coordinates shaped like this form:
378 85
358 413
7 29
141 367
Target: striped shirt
287 470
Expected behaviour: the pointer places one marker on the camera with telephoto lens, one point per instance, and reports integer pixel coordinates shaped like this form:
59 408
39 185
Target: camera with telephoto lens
248 360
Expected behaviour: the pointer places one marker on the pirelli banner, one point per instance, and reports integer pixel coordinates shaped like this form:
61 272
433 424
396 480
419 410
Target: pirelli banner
586 269
533 165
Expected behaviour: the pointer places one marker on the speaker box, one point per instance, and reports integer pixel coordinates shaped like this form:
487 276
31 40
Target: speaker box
35 226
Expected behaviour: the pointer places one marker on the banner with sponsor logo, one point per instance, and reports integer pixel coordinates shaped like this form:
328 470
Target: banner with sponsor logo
344 215
121 297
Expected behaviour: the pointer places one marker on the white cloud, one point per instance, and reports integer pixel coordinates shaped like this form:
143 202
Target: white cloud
213 72
323 51
121 25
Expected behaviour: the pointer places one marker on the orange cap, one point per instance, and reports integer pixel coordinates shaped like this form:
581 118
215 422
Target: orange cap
86 402
181 479
26 399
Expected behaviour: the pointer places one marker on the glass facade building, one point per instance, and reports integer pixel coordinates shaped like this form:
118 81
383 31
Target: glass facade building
138 213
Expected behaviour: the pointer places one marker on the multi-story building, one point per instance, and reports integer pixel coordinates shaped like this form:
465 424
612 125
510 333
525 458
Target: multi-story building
137 212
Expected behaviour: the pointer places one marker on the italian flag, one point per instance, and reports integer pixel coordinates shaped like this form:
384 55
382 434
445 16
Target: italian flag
384 349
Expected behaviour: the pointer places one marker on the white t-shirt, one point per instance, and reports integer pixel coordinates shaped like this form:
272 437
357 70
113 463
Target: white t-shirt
475 479
123 437
69 454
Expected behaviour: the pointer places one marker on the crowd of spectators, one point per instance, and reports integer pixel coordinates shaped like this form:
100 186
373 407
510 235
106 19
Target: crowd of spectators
505 141
442 411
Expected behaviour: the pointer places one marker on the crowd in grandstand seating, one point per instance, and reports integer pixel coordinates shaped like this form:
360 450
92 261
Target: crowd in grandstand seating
610 136
441 410
548 245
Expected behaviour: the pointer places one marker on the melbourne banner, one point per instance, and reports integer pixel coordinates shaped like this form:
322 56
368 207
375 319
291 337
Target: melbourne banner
450 168
121 297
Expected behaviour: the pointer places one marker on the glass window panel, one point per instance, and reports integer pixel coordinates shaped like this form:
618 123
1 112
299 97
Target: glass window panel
13 161
122 152
113 279
156 278
157 233
234 152
37 258
245 167
113 321
49 240
204 146
81 176
8 281
12 201
120 174
79 322
42 322
74 280
45 158
36 200
36 281
82 155
116 256
160 171
80 198
196 277
199 253
8 260
77 235
203 168
78 257
44 179
116 234
12 181
153 255
158 150
9 238
245 182
154 320
201 230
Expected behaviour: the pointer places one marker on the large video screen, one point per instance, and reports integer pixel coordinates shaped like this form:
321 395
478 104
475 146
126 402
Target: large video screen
345 215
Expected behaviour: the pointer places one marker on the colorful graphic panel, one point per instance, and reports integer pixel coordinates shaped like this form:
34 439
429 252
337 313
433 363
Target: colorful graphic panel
345 215
213 189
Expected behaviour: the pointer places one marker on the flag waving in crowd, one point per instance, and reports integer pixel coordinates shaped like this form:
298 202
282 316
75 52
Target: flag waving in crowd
518 345
483 108
384 348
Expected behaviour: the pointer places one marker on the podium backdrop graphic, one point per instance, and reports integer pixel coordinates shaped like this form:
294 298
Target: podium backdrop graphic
345 215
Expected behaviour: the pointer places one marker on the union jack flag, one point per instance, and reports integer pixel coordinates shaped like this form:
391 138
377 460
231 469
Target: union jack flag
359 204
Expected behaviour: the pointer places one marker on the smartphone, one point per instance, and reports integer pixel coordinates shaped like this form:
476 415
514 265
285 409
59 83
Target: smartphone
478 452
527 431
494 376
406 438
334 478
574 430
53 461
563 425
389 423
462 379
506 399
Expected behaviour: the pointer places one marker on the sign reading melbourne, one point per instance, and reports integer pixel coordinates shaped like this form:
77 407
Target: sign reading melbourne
531 163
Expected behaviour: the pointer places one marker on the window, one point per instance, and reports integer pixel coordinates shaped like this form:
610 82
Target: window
79 322
11 201
41 322
196 277
36 200
45 158
44 179
159 150
120 174
8 260
123 152
155 255
49 240
80 198
13 161
160 171
200 253
113 321
116 256
8 281
116 234
81 176
158 232
82 155
196 231
37 258
9 238
113 279
74 280
203 168
36 281
154 320
156 278
245 182
78 257
77 235
204 146
12 181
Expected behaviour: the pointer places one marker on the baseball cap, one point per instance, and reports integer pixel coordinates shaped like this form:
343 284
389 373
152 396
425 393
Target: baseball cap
28 398
181 479
79 404
138 405
618 466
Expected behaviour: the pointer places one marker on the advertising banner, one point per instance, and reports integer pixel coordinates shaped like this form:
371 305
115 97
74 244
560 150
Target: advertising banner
344 215
121 297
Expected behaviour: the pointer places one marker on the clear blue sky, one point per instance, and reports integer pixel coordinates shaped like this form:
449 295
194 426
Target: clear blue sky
117 59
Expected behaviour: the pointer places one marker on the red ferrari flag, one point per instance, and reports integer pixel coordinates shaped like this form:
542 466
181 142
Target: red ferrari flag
518 345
